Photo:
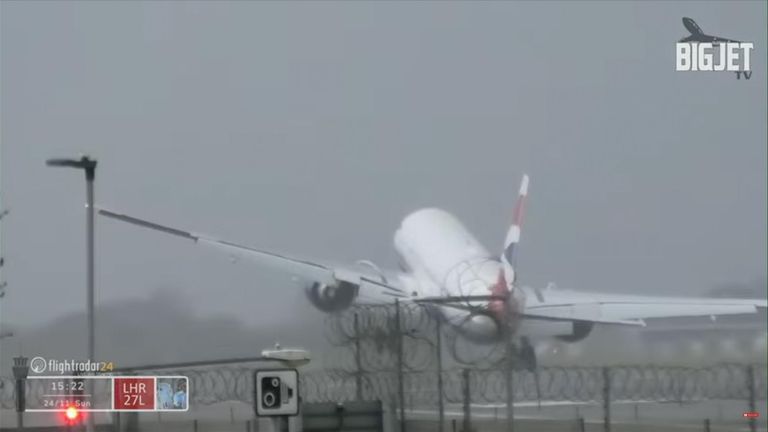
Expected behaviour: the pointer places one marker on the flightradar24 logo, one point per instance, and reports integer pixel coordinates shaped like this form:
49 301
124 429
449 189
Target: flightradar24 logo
700 52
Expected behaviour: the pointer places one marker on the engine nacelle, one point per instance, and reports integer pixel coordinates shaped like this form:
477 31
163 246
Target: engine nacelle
332 298
581 329
480 328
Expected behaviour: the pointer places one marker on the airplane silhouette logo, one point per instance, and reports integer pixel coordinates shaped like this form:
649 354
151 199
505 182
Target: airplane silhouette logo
702 52
697 35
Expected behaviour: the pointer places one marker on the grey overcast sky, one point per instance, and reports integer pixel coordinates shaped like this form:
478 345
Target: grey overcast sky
313 128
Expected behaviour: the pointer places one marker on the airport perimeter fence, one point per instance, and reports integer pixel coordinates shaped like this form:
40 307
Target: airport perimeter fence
479 390
582 384
578 384
397 355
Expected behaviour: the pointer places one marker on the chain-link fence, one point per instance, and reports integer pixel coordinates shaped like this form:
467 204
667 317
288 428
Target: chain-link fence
627 383
395 354
586 384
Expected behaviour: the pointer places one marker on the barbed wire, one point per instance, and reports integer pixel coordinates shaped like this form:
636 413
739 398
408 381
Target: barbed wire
369 334
583 384
580 384
366 341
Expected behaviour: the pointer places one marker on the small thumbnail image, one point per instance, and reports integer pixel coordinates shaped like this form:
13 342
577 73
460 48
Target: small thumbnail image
172 393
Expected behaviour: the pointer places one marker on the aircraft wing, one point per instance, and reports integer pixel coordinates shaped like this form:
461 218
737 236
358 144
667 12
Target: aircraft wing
479 302
628 309
607 308
305 269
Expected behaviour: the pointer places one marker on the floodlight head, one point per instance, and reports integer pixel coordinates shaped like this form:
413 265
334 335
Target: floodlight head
291 356
20 367
84 163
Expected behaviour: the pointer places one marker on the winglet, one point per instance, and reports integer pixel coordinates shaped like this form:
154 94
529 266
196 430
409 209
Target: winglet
524 185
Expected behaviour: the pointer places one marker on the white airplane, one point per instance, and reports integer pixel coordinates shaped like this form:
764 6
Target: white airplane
443 265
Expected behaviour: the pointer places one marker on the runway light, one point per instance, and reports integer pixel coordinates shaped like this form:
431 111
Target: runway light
72 413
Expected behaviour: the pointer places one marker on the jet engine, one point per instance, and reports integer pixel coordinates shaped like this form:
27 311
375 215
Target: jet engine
581 329
479 327
332 298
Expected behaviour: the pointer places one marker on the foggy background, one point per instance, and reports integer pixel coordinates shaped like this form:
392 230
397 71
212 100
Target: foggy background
314 128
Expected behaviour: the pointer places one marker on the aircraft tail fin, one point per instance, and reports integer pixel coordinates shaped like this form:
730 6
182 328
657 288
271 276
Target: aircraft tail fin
513 234
692 27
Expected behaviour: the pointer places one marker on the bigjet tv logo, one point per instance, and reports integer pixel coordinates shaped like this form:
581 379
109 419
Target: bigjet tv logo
700 52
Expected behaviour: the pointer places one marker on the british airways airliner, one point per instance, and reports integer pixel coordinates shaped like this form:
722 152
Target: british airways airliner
472 290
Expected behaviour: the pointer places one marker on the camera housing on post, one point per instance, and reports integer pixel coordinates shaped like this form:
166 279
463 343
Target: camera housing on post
276 392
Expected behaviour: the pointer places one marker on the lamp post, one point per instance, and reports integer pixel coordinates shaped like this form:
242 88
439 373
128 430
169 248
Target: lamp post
88 165
20 372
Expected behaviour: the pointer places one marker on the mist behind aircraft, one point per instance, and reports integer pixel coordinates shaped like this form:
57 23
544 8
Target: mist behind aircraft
317 129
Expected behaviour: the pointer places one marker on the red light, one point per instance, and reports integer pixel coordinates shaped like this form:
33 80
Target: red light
751 414
72 413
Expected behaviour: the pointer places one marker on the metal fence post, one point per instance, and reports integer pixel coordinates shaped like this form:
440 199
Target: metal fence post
582 425
751 392
467 411
358 362
680 387
400 366
509 383
20 402
20 372
707 426
392 408
606 399
439 349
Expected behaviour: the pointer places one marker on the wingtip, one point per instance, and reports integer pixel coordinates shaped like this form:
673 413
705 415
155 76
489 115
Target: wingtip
524 185
105 211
